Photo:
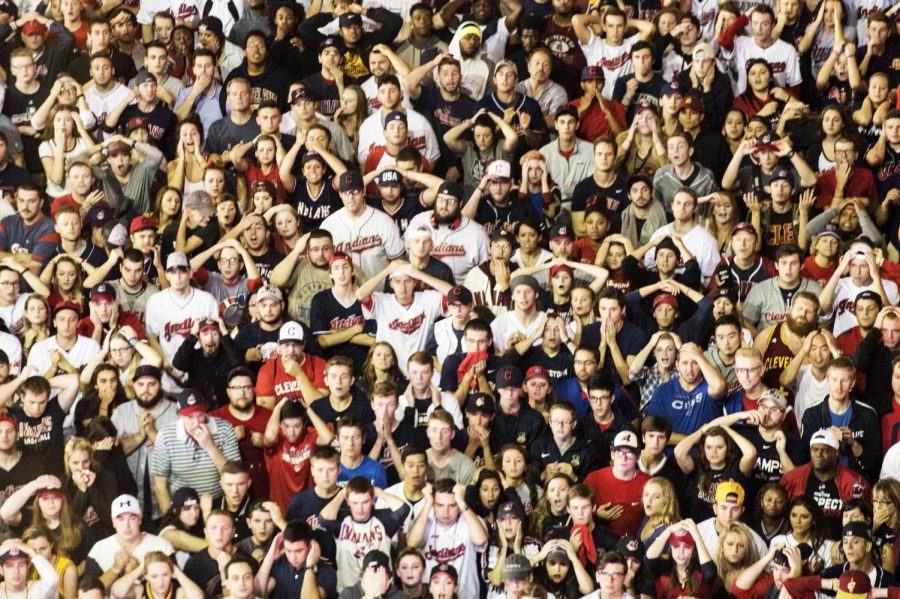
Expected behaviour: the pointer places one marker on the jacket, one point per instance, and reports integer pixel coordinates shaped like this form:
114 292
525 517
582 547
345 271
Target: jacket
873 358
865 425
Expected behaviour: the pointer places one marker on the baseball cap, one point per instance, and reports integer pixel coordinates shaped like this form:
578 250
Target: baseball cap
831 231
727 489
781 173
480 403
853 584
510 509
775 396
644 105
449 188
199 200
137 122
459 295
671 88
117 147
339 257
331 41
118 236
99 215
668 244
593 73
290 331
726 291
389 178
177 260
857 529
141 222
702 51
499 169
147 370
505 64
144 76
518 567
537 372
376 558
310 156
207 324
630 546
665 298
262 185
125 504
824 437
350 181
269 292
349 19
501 234
625 440
103 291
185 497
561 231
681 536
33 27
868 294
13 553
525 280
9 419
49 491
766 142
420 232
394 115
68 305
445 569
555 270
508 376
301 94
190 402
744 227
691 102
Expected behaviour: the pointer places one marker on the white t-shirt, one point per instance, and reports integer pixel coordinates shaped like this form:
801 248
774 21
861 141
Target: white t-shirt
710 537
845 296
421 135
461 247
890 467
452 545
100 104
84 350
13 314
615 60
810 391
372 240
406 328
104 551
79 152
13 350
698 241
508 323
781 55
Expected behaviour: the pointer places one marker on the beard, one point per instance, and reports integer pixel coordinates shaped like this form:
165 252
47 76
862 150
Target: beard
445 219
151 403
801 329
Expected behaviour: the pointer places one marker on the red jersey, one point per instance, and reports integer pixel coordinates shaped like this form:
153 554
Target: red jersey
255 173
288 466
251 455
274 381
847 342
627 493
860 185
86 327
890 427
583 251
594 123
813 271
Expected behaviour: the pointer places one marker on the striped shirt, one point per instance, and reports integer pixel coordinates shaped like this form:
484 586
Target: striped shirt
177 457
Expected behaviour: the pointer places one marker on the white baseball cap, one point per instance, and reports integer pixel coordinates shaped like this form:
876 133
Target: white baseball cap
290 331
499 168
824 437
625 439
125 504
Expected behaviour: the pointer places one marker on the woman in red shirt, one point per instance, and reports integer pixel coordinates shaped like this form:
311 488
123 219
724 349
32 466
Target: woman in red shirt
689 571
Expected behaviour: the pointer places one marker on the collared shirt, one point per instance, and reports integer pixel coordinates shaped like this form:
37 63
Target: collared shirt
180 459
568 172
207 107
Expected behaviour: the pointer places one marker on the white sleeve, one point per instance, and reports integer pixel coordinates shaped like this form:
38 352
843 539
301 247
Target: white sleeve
890 468
792 69
47 585
591 50
366 139
432 150
152 327
393 243
39 358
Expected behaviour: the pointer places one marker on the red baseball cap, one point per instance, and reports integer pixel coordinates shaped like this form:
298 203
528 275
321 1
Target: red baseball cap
139 223
665 298
537 372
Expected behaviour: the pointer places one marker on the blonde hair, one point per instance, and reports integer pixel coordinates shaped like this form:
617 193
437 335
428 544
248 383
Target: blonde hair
729 572
670 513
76 444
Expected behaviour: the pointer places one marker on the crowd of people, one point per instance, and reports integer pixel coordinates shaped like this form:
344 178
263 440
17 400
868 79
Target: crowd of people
471 299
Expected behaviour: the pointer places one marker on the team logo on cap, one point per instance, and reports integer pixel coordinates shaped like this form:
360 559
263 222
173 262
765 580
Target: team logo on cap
626 438
632 545
520 439
479 402
507 376
191 399
575 461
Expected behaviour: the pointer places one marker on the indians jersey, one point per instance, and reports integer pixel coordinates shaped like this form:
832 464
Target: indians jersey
845 296
615 60
406 328
421 136
453 546
170 319
781 55
372 240
356 539
462 245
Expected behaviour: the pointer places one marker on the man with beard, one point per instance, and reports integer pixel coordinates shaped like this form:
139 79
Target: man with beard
863 274
767 303
291 372
459 242
828 483
876 355
495 203
206 356
855 423
138 422
399 194
266 80
372 131
305 275
780 342
257 341
249 421
443 103
549 95
690 400
527 117
256 243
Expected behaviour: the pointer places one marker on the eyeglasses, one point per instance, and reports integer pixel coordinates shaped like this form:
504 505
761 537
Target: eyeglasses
561 423
625 453
612 574
240 387
849 152
747 370
770 409
119 351
229 260
881 502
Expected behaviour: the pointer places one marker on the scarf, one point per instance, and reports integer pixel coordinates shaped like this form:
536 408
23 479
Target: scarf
587 553
467 363
656 218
